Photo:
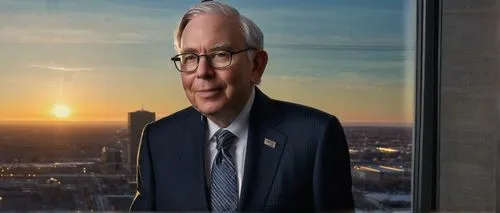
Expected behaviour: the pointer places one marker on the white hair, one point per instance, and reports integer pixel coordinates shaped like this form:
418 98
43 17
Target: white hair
251 32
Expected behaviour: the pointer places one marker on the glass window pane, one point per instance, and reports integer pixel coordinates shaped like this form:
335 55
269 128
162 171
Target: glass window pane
80 80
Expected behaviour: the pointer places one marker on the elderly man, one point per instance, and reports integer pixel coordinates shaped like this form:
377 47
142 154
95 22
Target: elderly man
236 149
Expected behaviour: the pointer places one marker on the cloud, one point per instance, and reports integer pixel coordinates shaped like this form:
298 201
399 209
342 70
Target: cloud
52 35
70 35
332 25
345 80
332 43
64 69
125 23
97 22
64 78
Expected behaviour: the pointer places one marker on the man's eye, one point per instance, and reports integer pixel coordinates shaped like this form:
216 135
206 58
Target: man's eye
221 54
188 58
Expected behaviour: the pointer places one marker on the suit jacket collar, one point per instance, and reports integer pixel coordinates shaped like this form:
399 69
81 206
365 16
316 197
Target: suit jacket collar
264 150
191 148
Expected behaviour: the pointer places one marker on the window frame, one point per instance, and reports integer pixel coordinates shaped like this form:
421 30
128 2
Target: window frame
426 130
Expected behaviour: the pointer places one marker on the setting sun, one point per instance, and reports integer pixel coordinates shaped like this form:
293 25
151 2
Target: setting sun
61 111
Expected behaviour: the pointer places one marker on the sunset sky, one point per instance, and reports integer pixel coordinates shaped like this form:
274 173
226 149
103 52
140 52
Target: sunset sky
103 58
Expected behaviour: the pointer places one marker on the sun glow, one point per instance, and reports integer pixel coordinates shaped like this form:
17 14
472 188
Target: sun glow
61 110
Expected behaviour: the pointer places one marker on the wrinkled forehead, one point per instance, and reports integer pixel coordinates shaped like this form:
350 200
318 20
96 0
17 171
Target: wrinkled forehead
211 32
223 45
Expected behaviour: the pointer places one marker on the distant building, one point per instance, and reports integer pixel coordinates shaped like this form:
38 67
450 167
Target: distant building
124 146
136 122
111 159
379 173
386 200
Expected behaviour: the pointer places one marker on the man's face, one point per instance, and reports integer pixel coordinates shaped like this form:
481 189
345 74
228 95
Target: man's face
216 91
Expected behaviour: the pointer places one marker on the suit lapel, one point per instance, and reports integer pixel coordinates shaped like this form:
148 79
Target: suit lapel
193 155
264 150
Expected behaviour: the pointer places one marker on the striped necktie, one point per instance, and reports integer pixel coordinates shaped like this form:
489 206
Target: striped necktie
224 183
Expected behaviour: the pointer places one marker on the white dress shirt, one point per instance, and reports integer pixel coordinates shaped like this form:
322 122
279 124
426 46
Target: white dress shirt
239 127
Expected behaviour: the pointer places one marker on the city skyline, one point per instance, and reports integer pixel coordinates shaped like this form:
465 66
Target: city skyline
103 59
61 160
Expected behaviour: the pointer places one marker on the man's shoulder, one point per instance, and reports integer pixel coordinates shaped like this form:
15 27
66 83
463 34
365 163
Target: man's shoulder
294 110
174 118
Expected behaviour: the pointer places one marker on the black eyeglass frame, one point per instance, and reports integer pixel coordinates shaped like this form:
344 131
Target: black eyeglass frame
231 53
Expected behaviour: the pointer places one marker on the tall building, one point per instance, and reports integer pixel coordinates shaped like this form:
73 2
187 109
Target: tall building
136 122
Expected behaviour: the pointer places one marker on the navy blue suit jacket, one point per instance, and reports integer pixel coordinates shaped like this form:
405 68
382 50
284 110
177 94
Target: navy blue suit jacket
307 170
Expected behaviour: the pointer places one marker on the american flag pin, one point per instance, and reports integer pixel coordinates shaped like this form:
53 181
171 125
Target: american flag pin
269 143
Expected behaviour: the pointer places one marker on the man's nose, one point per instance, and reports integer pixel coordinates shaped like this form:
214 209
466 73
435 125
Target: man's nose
204 69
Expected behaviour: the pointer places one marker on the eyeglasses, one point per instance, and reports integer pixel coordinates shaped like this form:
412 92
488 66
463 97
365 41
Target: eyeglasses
188 62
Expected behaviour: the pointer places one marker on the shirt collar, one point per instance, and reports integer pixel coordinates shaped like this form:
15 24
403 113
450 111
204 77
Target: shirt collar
239 124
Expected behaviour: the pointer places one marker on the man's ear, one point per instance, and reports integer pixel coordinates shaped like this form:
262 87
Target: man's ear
259 65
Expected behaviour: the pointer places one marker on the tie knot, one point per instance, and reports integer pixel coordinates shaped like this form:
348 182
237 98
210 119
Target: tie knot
224 138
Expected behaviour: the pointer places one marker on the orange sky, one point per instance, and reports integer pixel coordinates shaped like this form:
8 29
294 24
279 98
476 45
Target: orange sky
352 105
